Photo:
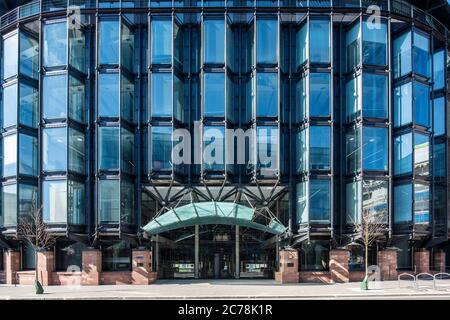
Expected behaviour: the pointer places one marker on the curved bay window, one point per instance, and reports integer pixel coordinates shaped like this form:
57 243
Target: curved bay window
314 149
314 202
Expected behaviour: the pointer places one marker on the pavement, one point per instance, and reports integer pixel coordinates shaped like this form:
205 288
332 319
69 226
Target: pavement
232 289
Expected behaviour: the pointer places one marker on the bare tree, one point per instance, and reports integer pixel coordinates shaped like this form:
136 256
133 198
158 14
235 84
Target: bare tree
32 229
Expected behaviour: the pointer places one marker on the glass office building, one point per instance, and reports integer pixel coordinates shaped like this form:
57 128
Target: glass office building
350 108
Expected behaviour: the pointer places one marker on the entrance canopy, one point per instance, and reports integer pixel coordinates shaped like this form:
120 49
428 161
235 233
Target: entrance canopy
201 213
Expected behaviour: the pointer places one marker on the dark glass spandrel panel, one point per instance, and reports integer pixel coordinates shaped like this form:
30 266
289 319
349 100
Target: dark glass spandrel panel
77 98
108 92
214 148
29 55
161 152
77 203
302 151
319 88
421 154
127 145
375 198
402 55
439 116
421 104
162 41
266 95
421 204
319 201
10 155
127 93
403 105
352 99
77 151
353 202
28 105
439 164
161 95
214 41
214 94
319 49
109 42
352 46
403 152
55 44
54 97
127 214
374 43
375 149
403 198
109 201
439 70
117 257
109 148
9 205
54 149
302 203
10 56
28 155
28 201
353 150
54 199
375 96
421 54
266 41
77 49
10 106
302 45
319 146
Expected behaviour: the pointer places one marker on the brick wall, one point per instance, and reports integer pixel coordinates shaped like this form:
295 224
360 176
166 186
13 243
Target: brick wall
339 265
439 261
115 277
288 268
356 276
315 276
422 260
387 262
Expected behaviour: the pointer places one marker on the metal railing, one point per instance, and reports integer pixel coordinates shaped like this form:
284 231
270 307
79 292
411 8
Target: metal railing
398 7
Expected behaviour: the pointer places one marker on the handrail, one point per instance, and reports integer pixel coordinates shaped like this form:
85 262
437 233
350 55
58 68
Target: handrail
399 278
399 7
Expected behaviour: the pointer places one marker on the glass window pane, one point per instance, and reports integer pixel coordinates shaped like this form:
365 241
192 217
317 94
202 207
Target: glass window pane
375 149
402 55
162 103
28 155
353 191
77 151
266 95
28 110
421 104
374 43
214 41
353 151
266 41
421 154
10 106
403 104
439 160
54 149
302 45
352 99
319 86
161 41
403 154
54 98
28 200
352 43
77 49
161 138
109 148
214 148
403 203
10 155
302 152
127 48
55 44
77 203
54 201
108 91
127 99
319 201
375 96
10 56
69 255
127 201
267 149
375 198
421 54
117 257
109 42
315 255
109 201
439 116
214 94
29 55
302 205
127 139
76 99
9 203
301 99
439 70
319 140
319 41
421 204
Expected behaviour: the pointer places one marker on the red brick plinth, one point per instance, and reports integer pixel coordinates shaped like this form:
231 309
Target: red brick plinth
439 261
288 269
141 273
387 262
92 267
12 266
422 260
46 262
339 265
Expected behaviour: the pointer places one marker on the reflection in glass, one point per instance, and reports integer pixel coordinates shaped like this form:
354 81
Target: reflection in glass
352 44
266 41
214 148
374 43
421 204
353 196
28 105
54 149
29 55
76 99
302 45
266 95
77 49
161 41
439 163
10 155
403 104
77 151
421 104
55 44
161 95
109 42
127 201
54 98
127 145
302 152
301 99
319 88
319 140
302 204
375 96
439 70
375 149
28 200
214 41
109 201
402 55
10 56
109 148
77 203
403 199
127 48
214 94
117 256
421 54
421 154
267 149
319 201
108 92
439 116
161 138
352 99
28 159
9 205
10 106
403 154
54 199
319 50
375 198
353 150
127 95
315 255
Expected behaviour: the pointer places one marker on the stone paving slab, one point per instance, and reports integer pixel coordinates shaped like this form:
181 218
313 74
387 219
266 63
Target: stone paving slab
228 289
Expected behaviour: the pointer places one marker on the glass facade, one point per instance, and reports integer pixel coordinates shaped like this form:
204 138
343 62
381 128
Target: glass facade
330 117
